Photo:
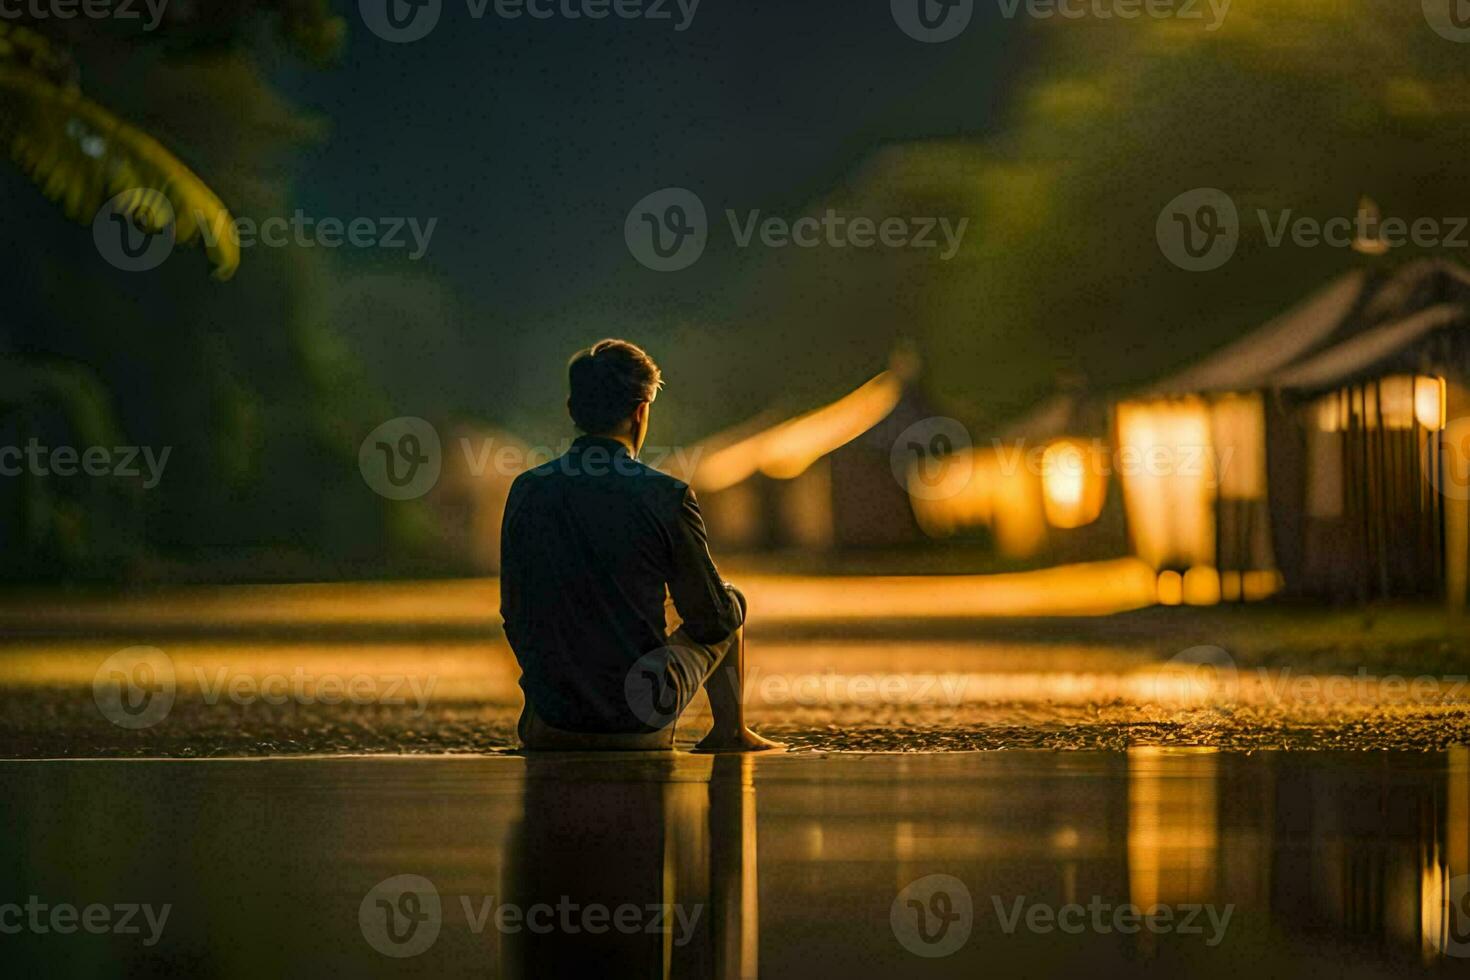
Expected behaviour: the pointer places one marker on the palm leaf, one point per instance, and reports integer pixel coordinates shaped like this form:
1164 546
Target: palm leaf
81 155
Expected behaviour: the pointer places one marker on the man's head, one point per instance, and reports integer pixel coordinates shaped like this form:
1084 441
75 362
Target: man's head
612 385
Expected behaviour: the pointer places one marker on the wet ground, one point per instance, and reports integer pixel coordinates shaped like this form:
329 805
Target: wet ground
242 699
1147 862
835 665
321 780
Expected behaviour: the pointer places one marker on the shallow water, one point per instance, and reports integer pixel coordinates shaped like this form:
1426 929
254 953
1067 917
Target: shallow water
1271 864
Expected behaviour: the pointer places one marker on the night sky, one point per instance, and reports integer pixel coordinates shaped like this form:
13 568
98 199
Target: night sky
530 140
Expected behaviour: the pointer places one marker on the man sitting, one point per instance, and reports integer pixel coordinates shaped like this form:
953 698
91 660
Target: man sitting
591 544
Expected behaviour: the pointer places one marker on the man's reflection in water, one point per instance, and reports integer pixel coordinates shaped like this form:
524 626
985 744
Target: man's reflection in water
635 866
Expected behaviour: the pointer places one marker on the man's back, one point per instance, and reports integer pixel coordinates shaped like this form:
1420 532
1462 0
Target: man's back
589 543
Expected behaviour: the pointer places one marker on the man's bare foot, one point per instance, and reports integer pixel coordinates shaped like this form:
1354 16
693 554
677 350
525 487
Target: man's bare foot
744 741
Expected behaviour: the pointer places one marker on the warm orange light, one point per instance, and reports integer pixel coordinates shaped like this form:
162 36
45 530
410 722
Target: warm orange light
1331 411
1429 402
1229 586
1171 588
1402 401
992 487
1063 590
1396 401
1238 431
1173 825
1074 483
785 451
1201 586
1259 585
1165 461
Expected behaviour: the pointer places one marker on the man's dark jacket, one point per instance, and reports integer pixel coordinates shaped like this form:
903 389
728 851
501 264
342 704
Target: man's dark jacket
589 544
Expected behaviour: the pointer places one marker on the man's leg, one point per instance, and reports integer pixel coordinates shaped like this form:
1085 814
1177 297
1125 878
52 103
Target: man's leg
725 686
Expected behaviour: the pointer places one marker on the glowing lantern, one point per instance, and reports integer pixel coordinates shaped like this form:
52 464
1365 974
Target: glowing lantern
1073 483
1429 402
1402 401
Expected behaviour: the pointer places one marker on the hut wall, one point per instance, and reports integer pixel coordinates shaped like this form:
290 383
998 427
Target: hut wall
1382 535
869 506
735 516
803 508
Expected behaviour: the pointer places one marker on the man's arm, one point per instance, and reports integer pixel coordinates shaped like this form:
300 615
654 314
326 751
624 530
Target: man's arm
711 608
510 593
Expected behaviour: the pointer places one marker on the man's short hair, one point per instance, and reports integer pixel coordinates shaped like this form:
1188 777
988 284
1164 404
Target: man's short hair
608 381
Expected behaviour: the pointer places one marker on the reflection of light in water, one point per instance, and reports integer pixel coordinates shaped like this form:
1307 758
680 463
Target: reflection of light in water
904 844
812 842
1173 826
1446 860
1065 838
